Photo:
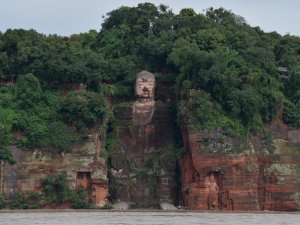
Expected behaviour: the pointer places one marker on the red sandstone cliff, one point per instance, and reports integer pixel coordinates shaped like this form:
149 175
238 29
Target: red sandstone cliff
84 165
259 175
233 165
278 154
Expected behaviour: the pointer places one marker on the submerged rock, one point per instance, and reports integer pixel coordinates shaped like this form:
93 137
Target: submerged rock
167 206
121 206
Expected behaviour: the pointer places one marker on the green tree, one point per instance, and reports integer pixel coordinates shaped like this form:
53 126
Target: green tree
245 105
291 114
56 188
5 142
83 108
28 91
201 112
208 39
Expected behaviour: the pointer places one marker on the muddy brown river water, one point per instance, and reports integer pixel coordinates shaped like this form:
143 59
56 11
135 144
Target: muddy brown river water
144 218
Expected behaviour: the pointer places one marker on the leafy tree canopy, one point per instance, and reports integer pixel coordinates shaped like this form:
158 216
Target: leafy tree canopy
226 73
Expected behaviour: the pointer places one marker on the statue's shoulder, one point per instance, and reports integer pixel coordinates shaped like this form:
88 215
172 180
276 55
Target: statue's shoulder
123 110
123 105
163 112
162 106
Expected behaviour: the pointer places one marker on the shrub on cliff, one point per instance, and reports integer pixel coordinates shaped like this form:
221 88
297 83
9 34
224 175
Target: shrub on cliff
19 202
28 91
34 200
7 114
2 201
60 136
291 113
203 114
79 200
56 188
33 113
86 108
246 106
57 191
5 141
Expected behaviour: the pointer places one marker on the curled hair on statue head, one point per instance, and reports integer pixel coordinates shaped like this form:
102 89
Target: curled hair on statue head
145 75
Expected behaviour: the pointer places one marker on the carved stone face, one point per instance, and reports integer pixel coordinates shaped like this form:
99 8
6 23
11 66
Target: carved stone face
145 85
212 178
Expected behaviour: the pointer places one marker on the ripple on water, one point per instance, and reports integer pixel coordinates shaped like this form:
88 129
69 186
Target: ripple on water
145 218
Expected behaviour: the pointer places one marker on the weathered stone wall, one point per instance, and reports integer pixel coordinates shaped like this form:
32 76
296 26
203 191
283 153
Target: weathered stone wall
33 166
233 164
261 175
278 153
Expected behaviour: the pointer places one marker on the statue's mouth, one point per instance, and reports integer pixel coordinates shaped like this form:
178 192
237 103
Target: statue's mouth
146 93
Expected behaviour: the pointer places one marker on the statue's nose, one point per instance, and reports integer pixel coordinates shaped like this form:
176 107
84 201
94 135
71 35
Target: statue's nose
145 88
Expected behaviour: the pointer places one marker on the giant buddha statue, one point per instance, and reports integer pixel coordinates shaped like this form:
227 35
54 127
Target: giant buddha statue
142 163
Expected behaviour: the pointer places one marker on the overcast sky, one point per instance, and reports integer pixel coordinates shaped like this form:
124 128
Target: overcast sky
65 17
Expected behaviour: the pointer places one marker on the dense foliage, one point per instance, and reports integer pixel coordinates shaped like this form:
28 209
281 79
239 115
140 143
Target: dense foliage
43 118
225 71
58 192
2 202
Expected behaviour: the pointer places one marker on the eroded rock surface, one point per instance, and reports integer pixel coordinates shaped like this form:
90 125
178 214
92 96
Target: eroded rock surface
84 165
278 153
225 173
218 173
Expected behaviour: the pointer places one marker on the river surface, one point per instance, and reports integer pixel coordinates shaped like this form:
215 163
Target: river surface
145 218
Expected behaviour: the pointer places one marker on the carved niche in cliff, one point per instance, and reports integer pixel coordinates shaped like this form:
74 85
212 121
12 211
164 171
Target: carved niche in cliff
211 191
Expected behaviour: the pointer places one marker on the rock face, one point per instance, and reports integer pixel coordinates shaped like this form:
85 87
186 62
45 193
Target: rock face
142 160
141 157
218 173
279 168
224 173
83 164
